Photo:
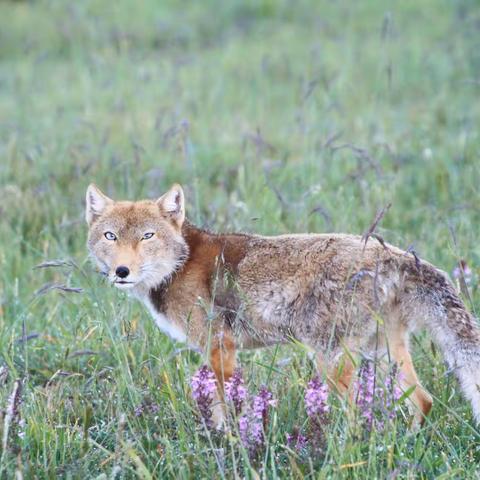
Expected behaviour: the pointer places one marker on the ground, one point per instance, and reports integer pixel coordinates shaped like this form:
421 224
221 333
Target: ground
277 117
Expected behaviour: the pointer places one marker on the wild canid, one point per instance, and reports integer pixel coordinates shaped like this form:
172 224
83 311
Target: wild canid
337 294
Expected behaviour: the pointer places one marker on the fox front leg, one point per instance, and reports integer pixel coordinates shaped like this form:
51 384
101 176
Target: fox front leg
222 361
339 376
222 358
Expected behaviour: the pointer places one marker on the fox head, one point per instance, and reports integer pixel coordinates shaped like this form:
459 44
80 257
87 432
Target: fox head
136 244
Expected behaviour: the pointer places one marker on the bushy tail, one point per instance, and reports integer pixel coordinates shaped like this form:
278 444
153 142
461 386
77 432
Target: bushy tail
452 327
458 335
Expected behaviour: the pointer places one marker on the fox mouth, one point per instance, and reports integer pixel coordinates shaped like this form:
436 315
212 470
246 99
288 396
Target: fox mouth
123 284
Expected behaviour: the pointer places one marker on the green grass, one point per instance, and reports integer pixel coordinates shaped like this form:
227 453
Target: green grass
276 116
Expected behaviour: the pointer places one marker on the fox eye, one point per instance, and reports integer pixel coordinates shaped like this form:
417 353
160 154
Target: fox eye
148 235
110 236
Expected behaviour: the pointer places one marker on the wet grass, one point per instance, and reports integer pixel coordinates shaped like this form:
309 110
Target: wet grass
276 117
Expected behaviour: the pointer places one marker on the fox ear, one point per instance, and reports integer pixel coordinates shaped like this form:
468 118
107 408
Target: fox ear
96 202
172 205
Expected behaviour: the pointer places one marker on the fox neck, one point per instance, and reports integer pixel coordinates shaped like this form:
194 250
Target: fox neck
194 276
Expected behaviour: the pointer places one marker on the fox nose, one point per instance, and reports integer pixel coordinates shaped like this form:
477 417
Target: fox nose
122 271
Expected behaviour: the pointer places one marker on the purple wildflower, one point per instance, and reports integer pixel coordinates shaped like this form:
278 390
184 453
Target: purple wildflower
251 433
316 396
393 392
252 424
235 391
203 391
297 441
365 392
139 409
462 271
377 402
261 404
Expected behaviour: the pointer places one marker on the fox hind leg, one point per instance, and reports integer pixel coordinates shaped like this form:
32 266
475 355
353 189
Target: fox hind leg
420 398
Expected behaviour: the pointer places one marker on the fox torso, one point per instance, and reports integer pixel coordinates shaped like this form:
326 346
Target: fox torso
335 293
316 289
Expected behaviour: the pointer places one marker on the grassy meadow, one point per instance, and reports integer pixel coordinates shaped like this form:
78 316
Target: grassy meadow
276 116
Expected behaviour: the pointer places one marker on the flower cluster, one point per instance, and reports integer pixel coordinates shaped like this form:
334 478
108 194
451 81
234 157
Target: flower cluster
261 404
376 401
316 405
235 391
393 392
251 433
254 414
365 392
316 397
253 423
203 391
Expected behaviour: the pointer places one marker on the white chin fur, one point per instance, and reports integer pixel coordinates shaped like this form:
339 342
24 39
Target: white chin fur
124 286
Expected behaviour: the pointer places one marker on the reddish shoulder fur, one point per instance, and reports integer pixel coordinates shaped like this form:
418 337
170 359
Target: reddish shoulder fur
206 249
